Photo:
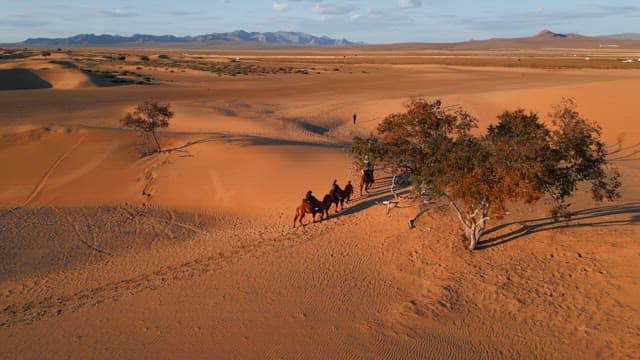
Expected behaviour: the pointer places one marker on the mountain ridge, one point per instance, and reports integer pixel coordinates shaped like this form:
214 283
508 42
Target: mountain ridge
237 36
543 39
623 36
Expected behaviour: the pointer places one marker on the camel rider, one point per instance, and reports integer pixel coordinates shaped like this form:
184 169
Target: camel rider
311 200
367 169
367 165
335 190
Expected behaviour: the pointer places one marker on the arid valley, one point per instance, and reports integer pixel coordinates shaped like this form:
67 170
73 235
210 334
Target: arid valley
106 252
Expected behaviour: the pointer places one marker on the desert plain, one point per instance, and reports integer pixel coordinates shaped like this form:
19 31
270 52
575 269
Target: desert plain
107 252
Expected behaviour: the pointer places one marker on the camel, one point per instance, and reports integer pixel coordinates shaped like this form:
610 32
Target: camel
343 194
306 208
366 180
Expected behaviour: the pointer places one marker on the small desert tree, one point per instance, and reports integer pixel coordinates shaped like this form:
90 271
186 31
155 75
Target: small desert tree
147 118
518 159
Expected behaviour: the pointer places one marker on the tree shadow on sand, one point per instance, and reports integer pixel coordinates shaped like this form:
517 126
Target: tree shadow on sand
588 218
380 194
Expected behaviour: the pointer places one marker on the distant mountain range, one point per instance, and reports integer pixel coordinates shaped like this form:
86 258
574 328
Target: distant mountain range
545 39
624 36
241 38
234 37
549 39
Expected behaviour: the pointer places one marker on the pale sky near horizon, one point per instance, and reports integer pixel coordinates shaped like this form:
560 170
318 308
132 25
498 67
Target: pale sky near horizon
373 21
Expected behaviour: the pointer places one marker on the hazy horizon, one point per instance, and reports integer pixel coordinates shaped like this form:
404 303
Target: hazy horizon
373 22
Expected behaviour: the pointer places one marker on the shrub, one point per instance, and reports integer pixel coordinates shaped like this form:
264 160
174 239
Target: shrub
147 118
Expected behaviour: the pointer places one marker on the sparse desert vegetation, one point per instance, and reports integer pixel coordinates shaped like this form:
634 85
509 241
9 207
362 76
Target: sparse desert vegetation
189 251
148 118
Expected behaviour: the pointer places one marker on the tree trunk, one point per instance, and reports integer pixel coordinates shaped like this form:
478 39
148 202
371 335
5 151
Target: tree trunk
473 225
393 185
155 139
474 233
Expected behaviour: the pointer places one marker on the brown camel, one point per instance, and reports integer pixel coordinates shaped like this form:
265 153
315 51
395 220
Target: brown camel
366 180
306 208
341 196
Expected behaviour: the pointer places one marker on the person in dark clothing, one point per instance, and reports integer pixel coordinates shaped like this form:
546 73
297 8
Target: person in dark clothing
335 190
354 118
309 198
367 169
366 164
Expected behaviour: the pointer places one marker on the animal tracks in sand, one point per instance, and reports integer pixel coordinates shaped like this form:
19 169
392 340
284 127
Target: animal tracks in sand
52 306
149 175
46 176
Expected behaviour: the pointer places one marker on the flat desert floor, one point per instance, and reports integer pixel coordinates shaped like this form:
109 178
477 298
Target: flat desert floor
106 253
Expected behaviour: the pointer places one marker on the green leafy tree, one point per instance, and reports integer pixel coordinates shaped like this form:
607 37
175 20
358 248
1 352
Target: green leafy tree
579 156
518 159
148 117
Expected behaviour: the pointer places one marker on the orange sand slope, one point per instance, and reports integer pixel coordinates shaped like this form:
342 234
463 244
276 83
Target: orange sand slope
57 74
190 253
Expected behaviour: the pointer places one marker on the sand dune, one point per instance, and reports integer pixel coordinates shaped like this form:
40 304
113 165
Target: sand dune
108 253
64 75
56 74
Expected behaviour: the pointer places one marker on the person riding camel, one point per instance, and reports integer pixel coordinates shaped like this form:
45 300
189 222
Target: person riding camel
335 190
367 169
311 200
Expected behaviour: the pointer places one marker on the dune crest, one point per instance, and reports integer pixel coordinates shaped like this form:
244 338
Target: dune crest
56 74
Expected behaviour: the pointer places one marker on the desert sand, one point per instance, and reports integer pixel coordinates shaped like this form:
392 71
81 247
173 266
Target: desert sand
107 253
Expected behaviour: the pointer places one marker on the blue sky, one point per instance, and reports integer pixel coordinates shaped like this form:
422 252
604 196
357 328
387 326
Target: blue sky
373 21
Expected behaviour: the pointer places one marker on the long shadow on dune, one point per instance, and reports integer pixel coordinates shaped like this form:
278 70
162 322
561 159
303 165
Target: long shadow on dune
587 218
21 79
256 140
314 128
